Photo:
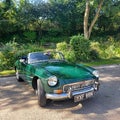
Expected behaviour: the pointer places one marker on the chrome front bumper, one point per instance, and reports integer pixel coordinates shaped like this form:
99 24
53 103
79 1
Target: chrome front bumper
69 94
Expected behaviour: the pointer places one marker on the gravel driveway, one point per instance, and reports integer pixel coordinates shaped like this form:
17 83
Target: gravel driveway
18 101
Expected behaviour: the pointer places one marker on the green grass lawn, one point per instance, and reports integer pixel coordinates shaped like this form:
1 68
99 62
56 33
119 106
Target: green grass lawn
104 62
95 63
7 72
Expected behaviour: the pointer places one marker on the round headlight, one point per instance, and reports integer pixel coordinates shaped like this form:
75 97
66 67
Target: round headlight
52 81
96 73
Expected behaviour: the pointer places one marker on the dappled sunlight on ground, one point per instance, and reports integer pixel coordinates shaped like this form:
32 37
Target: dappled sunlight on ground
17 95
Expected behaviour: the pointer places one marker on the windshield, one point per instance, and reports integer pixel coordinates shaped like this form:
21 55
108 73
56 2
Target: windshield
40 57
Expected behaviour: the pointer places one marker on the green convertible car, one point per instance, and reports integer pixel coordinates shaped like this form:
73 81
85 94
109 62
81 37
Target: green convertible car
53 78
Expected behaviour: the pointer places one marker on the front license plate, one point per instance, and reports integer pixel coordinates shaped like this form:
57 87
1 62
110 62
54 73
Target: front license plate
89 94
78 98
81 97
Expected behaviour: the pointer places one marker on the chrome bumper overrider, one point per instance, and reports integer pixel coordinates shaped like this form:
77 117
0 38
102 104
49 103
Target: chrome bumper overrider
70 94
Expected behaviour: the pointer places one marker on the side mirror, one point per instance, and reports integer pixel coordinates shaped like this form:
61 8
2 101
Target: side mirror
22 60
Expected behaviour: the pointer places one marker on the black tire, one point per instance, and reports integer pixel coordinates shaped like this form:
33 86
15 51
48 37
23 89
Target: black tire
19 79
41 94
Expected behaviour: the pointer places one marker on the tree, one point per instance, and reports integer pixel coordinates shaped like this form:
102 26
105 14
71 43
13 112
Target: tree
110 18
88 28
66 15
7 16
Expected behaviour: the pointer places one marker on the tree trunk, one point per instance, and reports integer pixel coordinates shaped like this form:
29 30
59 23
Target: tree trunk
86 16
87 31
96 17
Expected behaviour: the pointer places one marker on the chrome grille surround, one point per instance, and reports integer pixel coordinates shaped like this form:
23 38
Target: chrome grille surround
78 85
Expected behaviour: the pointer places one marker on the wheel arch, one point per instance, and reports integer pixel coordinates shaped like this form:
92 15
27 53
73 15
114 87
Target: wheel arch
34 82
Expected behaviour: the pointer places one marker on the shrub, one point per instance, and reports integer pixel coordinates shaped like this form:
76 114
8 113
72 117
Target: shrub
110 51
81 47
95 50
3 61
94 55
11 51
63 46
95 46
67 51
7 54
117 49
70 56
109 48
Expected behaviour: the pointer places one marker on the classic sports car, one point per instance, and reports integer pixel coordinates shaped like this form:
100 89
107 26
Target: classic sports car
53 78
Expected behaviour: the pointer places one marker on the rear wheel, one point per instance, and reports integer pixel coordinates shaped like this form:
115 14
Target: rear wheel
19 79
41 94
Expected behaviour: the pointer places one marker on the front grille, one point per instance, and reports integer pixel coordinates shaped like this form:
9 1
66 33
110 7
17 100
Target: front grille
78 85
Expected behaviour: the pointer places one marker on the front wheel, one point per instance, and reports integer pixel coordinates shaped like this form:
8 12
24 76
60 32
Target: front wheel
41 94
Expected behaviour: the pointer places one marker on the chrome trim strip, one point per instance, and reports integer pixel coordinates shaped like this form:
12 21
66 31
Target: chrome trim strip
78 83
66 95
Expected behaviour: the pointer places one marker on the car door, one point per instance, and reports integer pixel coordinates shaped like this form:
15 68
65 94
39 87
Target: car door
29 73
26 69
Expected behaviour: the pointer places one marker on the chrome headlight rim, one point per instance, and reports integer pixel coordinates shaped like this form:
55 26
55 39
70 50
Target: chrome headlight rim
52 81
96 73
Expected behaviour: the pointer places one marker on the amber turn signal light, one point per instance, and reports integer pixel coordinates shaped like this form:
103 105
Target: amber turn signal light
59 91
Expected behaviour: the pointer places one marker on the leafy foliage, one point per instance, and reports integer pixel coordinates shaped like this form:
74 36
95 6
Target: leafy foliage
53 21
81 47
55 17
30 36
106 49
11 51
67 51
7 55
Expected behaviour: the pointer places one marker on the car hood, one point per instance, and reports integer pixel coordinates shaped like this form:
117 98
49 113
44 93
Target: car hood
64 70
